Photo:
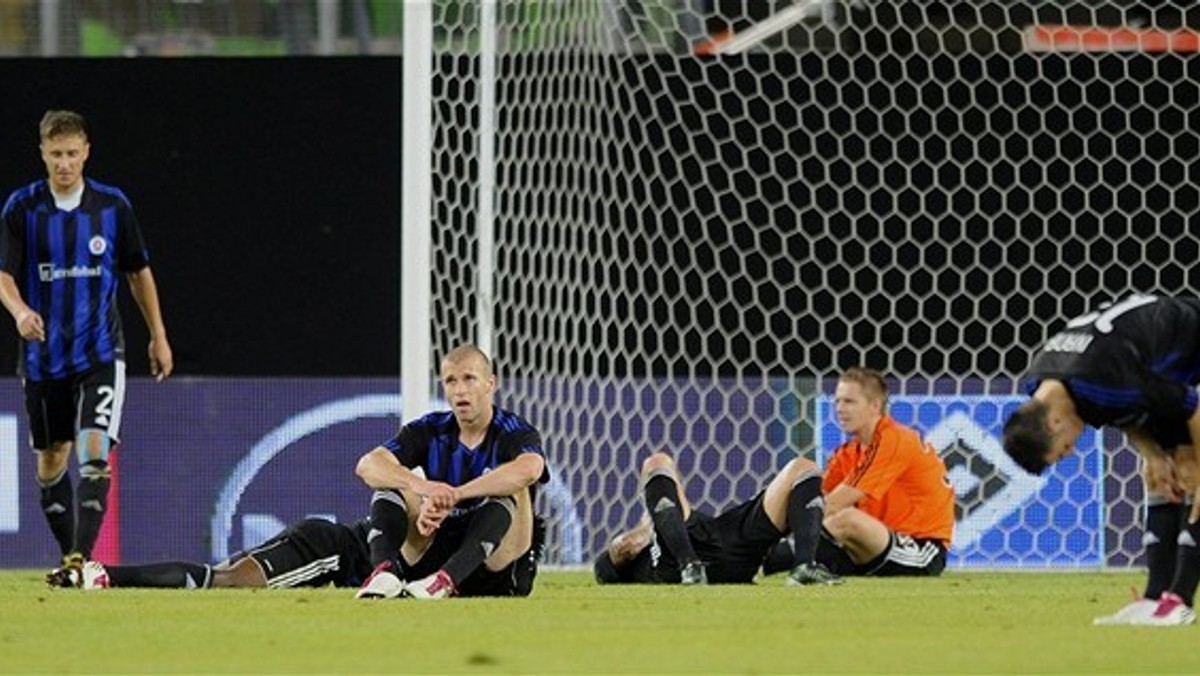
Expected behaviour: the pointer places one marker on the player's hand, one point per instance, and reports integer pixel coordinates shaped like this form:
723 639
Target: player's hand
442 496
31 326
162 362
430 518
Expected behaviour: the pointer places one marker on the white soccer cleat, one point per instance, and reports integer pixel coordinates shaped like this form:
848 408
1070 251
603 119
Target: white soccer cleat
382 584
436 586
93 575
1171 611
1130 614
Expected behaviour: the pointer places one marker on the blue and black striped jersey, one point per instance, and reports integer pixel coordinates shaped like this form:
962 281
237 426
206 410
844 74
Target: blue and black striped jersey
431 443
67 265
1134 362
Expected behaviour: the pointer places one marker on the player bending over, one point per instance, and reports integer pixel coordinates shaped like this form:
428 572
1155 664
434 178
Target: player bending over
1133 365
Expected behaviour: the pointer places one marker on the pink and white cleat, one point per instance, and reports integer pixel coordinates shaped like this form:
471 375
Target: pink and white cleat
436 586
381 584
1171 612
93 575
1132 613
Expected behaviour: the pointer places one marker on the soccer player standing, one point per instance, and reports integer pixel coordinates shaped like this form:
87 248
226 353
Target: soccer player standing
1133 365
466 521
64 244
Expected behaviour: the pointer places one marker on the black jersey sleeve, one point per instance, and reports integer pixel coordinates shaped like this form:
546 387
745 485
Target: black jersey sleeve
12 240
132 254
1167 399
411 444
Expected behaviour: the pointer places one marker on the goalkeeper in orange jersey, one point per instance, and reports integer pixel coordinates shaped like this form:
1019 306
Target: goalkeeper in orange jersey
889 506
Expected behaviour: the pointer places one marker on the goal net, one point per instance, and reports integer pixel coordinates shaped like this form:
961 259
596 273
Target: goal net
679 220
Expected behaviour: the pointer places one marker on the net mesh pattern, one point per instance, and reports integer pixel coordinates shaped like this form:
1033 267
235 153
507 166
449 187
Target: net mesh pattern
690 247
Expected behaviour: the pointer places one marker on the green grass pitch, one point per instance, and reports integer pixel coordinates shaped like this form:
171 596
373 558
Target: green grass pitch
961 623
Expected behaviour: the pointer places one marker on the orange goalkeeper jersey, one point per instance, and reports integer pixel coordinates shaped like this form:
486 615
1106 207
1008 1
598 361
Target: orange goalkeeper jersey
904 480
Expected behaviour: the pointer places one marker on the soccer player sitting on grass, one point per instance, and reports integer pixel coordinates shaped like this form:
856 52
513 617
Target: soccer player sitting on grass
309 553
675 543
889 506
1133 365
466 527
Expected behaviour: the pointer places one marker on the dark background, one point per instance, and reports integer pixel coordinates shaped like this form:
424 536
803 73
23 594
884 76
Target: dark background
267 190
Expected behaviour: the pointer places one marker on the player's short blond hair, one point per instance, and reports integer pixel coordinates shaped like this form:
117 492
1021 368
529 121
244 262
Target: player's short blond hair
62 123
872 383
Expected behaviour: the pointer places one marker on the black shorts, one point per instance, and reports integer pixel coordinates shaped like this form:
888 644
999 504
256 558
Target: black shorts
58 409
515 579
904 556
731 545
314 553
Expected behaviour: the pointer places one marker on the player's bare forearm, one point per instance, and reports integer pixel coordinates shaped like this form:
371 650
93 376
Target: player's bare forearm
380 469
145 294
841 497
29 323
514 475
11 296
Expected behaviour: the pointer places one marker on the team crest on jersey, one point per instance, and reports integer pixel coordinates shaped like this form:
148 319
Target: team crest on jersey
98 245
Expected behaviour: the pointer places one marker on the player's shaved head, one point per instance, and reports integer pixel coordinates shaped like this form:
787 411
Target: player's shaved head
1027 439
464 353
874 387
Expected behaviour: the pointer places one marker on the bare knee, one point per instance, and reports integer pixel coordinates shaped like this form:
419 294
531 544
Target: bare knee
842 525
798 467
1189 474
658 462
52 461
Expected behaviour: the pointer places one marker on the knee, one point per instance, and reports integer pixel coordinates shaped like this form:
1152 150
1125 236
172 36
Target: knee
53 460
799 466
1189 474
657 462
92 444
842 524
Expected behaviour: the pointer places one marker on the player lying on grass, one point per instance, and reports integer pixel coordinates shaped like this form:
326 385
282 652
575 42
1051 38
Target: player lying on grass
675 543
309 553
1133 365
889 506
888 509
465 525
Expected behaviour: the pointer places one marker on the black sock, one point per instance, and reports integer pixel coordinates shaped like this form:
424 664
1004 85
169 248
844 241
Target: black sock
1163 522
662 501
488 525
58 504
389 527
1187 563
93 503
779 558
173 574
805 510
